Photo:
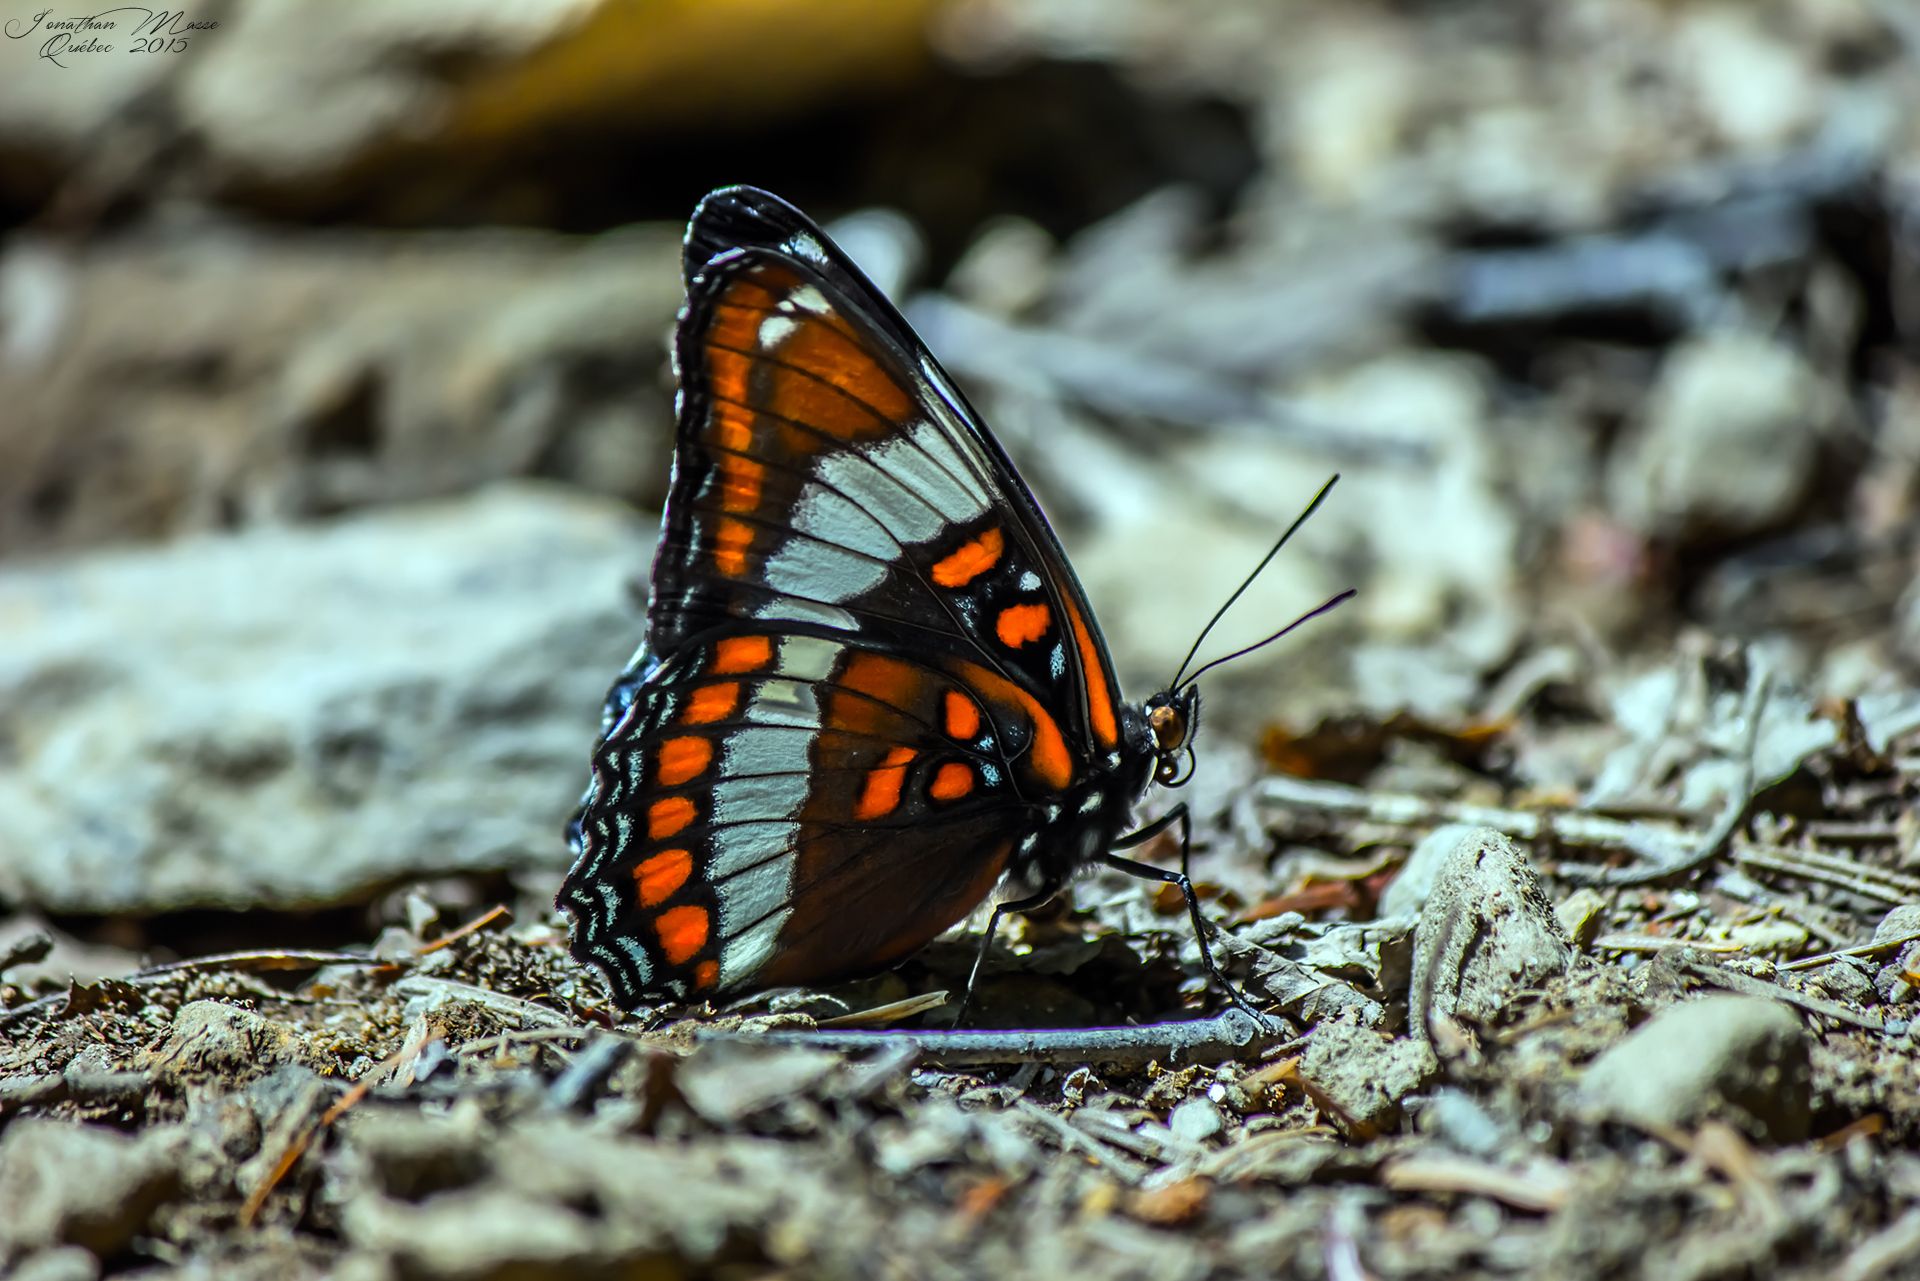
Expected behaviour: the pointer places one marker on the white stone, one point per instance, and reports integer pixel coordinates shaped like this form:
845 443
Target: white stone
297 717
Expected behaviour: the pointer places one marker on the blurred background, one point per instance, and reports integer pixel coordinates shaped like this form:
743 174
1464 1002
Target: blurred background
335 407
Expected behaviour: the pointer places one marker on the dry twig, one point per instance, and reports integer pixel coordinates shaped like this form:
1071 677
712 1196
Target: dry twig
1880 884
1862 949
1405 810
493 914
304 1140
1747 985
891 1012
1231 1034
1541 1186
270 959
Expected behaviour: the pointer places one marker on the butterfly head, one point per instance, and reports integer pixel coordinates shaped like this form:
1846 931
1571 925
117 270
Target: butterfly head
1173 715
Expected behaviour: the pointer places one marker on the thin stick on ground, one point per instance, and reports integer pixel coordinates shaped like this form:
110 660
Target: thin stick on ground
1230 1034
265 960
304 1140
1406 810
495 913
1862 949
1745 984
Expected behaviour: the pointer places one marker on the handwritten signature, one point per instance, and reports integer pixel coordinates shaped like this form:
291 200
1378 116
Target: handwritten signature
153 31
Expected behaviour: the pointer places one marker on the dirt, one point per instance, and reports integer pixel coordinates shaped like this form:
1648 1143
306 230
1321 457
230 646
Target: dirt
472 1107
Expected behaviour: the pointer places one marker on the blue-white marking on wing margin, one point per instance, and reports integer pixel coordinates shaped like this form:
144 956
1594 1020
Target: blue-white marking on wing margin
638 956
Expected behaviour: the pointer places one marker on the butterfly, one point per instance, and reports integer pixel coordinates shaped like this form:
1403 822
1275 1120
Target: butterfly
871 688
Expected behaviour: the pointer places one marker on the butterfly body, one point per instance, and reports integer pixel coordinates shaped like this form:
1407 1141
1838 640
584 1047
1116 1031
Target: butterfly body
871 687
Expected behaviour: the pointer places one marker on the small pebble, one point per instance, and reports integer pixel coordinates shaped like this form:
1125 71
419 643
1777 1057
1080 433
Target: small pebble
1772 937
1901 921
66 1263
1847 979
1364 1074
1581 914
1195 1121
1486 933
1463 1122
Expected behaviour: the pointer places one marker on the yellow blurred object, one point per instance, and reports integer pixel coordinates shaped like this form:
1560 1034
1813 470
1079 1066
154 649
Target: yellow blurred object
679 62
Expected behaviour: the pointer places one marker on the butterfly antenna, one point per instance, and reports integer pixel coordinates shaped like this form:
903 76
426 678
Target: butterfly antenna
1273 551
1311 614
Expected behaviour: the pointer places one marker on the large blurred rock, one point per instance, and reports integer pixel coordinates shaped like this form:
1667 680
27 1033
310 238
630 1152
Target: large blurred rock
1741 1059
182 382
1732 430
80 1185
297 717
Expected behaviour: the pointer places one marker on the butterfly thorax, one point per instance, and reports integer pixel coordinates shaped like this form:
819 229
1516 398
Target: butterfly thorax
1081 823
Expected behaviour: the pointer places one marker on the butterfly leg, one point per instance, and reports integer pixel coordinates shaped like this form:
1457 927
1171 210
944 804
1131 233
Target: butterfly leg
1026 904
1146 871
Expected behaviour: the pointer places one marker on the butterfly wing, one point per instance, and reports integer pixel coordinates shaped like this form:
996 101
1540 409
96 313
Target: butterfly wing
869 675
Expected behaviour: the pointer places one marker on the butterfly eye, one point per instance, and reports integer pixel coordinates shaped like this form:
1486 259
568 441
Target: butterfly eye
1169 726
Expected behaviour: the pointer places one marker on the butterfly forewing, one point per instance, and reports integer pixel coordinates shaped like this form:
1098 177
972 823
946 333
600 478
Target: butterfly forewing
869 675
881 503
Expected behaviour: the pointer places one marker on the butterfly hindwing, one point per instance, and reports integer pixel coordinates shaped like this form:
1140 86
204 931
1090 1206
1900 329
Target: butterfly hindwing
747 816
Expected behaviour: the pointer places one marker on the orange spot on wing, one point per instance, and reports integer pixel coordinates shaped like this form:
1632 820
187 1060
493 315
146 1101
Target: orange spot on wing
880 795
973 559
740 483
680 759
741 654
667 816
1050 759
951 781
1047 756
1019 624
1099 695
711 703
823 408
732 426
731 538
729 372
962 717
658 877
885 680
683 932
734 323
834 357
706 974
